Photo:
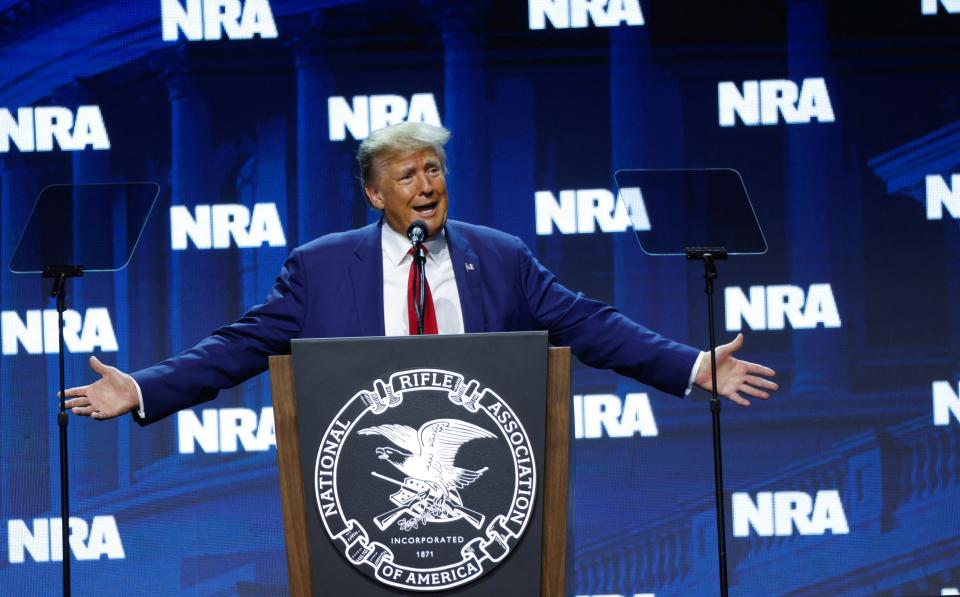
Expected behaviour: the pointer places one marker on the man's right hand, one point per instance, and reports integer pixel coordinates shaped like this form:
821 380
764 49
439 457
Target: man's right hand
114 394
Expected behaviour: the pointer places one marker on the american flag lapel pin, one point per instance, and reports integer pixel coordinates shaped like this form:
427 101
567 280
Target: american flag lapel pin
469 266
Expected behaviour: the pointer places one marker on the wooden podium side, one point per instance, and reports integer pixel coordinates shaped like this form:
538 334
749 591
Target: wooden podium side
553 558
291 479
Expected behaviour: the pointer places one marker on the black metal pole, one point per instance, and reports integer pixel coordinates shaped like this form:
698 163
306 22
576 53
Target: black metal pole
421 295
709 275
59 291
59 274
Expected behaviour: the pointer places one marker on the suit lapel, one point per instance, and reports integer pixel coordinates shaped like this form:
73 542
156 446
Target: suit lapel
366 276
466 270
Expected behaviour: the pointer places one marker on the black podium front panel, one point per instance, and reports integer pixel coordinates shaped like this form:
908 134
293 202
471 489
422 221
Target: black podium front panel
422 460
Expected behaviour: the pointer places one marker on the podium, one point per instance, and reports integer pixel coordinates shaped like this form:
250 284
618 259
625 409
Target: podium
367 381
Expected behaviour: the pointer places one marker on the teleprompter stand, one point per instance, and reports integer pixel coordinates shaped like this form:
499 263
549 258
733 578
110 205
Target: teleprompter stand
94 224
709 256
60 274
704 215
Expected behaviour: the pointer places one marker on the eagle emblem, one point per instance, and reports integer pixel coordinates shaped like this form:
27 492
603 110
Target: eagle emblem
426 457
443 448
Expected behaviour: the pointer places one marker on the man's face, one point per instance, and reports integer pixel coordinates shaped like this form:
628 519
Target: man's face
410 186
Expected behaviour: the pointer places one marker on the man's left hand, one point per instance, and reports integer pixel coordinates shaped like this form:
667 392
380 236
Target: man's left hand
735 376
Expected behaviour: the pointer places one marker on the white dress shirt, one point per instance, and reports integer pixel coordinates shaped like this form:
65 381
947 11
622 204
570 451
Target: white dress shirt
440 278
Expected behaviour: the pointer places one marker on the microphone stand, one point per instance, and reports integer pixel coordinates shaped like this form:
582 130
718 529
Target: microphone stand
420 295
417 232
60 275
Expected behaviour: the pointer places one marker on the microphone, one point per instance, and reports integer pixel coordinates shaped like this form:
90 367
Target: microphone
417 232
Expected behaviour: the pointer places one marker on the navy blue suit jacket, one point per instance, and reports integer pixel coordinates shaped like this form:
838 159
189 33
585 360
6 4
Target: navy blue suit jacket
333 287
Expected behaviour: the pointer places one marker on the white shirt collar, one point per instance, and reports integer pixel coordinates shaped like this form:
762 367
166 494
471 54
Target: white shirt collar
396 245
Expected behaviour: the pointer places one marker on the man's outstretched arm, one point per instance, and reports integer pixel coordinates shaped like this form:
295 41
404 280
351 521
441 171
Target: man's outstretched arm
602 337
230 355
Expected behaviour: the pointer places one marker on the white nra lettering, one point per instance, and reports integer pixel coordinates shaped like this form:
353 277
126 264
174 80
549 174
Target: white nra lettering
930 7
226 430
209 20
46 127
770 307
368 113
578 14
43 542
941 195
945 403
583 211
780 513
37 331
214 227
765 102
599 415
950 591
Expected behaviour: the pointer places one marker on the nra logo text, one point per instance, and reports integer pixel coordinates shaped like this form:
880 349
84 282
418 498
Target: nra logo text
941 195
945 403
45 128
36 332
42 541
209 20
367 113
224 225
771 307
782 513
226 430
578 14
766 102
584 211
930 7
607 415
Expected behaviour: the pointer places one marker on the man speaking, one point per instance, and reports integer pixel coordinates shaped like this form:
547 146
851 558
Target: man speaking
361 283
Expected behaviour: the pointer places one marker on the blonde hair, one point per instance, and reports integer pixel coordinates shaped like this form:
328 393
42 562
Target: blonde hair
403 137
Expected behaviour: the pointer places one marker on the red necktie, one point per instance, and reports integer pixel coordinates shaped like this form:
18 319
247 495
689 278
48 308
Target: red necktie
429 314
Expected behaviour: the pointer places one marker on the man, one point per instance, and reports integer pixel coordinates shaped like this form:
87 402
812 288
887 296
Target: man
356 284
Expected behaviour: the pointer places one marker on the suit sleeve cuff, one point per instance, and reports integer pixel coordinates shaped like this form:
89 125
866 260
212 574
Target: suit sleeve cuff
143 415
693 377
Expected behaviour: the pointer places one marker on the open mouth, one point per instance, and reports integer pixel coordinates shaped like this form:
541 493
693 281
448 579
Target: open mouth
427 209
382 454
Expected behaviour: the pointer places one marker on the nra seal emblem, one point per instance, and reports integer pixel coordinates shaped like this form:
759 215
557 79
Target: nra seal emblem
426 481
